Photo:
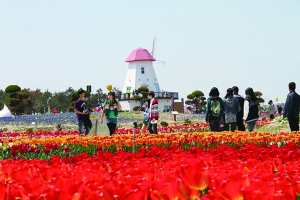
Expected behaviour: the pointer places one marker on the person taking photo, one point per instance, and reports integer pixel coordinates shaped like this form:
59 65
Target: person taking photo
81 112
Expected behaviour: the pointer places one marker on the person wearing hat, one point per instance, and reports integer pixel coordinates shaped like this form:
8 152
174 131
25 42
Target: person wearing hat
291 108
79 109
271 109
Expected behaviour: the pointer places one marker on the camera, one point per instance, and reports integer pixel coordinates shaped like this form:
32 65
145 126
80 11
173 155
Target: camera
87 110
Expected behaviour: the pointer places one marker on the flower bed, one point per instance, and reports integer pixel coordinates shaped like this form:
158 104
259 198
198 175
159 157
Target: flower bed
225 172
198 165
161 129
37 134
169 129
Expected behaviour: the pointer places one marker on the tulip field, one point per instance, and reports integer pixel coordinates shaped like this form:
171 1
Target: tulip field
181 162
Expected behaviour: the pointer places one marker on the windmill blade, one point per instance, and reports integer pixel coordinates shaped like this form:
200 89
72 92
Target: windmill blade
153 53
164 63
153 46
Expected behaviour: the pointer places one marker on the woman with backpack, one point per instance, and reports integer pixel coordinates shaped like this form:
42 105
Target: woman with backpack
232 107
250 109
214 110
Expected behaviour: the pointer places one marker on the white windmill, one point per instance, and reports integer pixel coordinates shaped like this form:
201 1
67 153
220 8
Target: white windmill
141 72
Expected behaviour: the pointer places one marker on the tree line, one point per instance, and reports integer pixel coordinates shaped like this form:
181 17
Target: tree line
28 101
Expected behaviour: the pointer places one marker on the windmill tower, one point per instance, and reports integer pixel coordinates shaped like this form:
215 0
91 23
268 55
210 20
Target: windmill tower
140 71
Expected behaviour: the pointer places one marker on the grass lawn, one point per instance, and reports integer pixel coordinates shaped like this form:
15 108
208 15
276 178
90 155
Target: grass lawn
274 128
132 116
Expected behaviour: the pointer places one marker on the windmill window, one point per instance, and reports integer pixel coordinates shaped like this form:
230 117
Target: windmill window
156 87
142 70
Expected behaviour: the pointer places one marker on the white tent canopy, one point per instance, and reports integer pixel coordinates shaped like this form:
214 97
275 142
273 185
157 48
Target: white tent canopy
5 112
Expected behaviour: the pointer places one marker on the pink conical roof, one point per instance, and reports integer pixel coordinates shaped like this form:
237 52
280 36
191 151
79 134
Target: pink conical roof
139 54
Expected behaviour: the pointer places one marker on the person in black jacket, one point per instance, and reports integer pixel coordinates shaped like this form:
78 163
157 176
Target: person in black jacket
240 114
291 108
250 109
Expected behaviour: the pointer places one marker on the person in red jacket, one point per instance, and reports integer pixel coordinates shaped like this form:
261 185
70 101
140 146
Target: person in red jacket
153 113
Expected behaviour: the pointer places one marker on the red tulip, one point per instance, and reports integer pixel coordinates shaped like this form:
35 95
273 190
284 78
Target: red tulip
54 159
195 174
46 150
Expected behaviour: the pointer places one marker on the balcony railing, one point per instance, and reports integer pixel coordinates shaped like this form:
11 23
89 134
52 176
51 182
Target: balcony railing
158 95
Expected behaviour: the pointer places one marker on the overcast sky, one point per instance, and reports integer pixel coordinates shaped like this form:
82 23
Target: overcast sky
59 44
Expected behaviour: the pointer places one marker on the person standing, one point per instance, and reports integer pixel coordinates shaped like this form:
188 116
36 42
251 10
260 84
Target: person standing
153 113
215 108
271 109
250 109
146 116
279 109
232 107
110 109
240 114
291 108
79 109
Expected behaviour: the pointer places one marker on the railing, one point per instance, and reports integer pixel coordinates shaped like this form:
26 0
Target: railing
166 95
158 95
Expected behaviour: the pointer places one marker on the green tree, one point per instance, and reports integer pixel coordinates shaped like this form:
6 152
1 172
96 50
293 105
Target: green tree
18 100
141 94
60 101
3 98
47 95
73 99
197 101
25 102
36 98
118 92
98 98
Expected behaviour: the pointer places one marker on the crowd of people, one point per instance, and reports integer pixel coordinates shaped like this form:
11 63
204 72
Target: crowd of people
236 112
110 110
233 111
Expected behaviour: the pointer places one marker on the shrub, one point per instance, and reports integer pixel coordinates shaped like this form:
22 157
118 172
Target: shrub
142 89
198 93
136 97
190 96
136 108
12 89
164 123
